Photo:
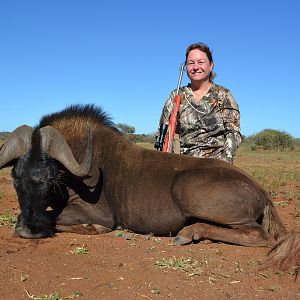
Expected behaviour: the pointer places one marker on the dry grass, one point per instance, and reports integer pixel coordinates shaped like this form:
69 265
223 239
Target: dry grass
277 171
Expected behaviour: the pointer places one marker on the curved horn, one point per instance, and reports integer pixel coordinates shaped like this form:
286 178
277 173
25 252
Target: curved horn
17 144
56 146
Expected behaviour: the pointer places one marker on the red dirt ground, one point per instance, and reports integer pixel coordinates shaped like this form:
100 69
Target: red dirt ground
123 265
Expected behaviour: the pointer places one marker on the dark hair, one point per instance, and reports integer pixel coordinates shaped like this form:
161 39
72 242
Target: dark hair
204 48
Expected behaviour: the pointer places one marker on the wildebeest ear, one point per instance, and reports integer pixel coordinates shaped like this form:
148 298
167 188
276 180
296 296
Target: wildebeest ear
55 145
17 144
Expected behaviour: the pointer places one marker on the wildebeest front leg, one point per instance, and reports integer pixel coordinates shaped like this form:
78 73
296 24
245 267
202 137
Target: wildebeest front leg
243 235
85 218
83 228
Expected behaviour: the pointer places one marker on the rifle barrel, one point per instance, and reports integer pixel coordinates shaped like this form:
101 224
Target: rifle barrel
180 78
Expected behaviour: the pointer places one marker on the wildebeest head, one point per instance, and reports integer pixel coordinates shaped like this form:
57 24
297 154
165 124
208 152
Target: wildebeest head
37 155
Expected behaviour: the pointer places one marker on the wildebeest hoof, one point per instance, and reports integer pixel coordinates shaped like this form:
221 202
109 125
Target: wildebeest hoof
181 240
33 233
196 237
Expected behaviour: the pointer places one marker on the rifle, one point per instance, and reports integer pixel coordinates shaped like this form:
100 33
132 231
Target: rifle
168 145
159 144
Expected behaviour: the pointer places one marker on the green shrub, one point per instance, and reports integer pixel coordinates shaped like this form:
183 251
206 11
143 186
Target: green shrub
270 139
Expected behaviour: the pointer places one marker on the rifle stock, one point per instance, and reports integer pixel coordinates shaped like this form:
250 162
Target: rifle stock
168 144
169 141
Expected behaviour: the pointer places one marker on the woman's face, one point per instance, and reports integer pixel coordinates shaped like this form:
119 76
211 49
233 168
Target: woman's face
198 66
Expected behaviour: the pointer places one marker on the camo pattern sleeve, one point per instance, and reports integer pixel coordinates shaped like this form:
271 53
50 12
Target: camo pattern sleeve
167 110
231 120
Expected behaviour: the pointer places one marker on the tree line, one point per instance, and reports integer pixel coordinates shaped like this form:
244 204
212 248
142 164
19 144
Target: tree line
267 139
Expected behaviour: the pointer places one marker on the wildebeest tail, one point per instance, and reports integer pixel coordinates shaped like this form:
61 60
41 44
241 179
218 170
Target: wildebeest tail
285 255
271 221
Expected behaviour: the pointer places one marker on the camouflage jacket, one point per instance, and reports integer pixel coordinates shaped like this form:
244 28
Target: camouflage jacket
209 128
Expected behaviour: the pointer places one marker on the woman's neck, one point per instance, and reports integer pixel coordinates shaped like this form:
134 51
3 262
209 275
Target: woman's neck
199 89
200 85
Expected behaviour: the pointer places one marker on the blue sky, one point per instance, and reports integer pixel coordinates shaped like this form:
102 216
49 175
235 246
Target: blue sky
124 56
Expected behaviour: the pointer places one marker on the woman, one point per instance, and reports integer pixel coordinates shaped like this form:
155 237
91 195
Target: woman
209 118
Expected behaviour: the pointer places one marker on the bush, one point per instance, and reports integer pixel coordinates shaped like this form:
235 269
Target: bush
142 138
126 128
270 139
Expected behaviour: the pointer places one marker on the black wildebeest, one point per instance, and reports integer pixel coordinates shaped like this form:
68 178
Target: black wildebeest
77 163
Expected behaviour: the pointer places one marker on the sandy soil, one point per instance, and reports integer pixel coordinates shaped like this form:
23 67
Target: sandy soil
123 265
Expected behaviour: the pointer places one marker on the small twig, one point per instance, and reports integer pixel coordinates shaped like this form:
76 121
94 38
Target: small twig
30 296
222 275
211 280
236 281
143 296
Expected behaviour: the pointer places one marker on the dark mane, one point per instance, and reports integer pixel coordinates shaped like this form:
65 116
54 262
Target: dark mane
83 113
